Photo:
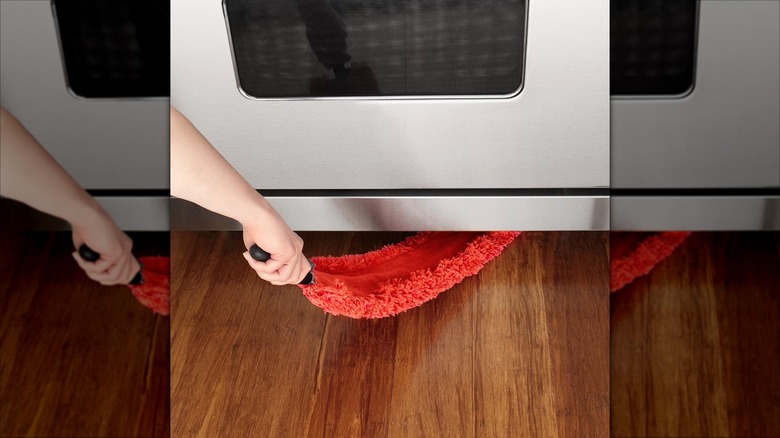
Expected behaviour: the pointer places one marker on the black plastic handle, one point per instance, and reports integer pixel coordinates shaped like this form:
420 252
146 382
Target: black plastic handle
92 256
261 255
88 254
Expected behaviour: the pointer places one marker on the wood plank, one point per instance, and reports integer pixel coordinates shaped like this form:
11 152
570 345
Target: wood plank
575 277
513 364
554 312
78 358
351 392
696 344
748 314
433 381
244 354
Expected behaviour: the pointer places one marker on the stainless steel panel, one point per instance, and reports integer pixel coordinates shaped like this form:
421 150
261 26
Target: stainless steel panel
553 134
105 143
705 213
138 213
726 133
130 213
416 213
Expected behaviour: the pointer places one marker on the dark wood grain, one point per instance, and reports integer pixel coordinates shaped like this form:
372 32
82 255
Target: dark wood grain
520 349
433 380
248 347
78 358
696 344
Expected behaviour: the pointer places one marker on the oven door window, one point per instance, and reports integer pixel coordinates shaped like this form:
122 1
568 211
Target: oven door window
652 47
115 49
331 48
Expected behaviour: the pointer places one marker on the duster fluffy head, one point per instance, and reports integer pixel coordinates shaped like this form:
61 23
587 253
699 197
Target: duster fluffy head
402 276
154 293
636 255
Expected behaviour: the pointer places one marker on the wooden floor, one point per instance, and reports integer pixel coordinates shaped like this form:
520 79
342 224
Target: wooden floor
77 358
519 350
695 346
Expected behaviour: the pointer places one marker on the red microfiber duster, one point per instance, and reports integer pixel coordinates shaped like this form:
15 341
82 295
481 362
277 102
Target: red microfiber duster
635 255
402 276
154 292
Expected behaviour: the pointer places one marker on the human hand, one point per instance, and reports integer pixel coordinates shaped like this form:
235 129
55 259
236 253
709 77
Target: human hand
287 264
116 264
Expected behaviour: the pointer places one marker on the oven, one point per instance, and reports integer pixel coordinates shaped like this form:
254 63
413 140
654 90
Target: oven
695 115
402 115
90 79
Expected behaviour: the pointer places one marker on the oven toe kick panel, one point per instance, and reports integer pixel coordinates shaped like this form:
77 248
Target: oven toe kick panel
416 213
696 213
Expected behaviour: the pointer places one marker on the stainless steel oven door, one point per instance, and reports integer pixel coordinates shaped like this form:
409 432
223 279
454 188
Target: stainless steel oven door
550 133
117 146
708 158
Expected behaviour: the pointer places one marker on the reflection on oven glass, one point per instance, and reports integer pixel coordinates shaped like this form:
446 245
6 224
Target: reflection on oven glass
652 45
117 48
304 48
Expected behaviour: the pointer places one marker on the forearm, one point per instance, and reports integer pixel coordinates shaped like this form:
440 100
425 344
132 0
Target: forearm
201 175
30 175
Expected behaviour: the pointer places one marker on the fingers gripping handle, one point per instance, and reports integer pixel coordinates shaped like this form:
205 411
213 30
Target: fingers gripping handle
91 256
260 255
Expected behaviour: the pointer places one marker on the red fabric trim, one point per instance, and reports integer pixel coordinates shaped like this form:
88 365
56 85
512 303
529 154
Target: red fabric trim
154 293
645 256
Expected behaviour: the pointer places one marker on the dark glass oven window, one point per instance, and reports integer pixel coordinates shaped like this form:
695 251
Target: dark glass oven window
652 47
116 48
302 48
